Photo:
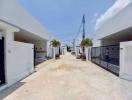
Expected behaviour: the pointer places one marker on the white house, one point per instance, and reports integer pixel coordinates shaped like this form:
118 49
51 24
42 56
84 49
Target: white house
115 38
20 36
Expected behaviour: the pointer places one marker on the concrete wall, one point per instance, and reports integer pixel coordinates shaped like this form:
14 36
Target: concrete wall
126 60
13 13
18 56
50 52
119 22
22 61
19 61
39 43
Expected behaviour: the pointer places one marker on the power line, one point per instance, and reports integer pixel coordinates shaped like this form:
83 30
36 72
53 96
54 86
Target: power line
67 40
78 32
82 25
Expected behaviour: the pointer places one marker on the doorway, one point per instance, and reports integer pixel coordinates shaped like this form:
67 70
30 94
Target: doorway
2 65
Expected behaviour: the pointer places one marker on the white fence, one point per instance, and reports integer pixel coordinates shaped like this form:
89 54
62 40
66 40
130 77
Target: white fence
23 58
22 61
126 60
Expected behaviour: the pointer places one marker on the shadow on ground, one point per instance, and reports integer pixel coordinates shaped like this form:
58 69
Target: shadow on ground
10 90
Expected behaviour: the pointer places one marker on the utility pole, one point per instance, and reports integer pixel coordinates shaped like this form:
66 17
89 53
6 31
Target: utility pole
83 21
83 36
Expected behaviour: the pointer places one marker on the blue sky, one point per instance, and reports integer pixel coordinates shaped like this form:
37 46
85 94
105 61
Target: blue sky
62 17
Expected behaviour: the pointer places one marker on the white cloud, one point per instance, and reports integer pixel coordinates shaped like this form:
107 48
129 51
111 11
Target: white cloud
116 7
95 16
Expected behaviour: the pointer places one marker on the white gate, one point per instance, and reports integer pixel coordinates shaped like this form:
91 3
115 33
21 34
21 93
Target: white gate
126 60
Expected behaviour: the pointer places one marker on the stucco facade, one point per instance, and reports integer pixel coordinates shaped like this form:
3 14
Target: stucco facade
22 35
117 30
12 12
115 24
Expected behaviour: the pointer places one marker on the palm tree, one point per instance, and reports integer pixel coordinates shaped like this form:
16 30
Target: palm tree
55 43
85 43
82 43
88 42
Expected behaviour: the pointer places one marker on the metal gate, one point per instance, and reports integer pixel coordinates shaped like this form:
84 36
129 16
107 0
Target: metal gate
2 66
107 57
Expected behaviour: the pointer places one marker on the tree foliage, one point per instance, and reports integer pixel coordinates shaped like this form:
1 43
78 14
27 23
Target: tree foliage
86 42
55 43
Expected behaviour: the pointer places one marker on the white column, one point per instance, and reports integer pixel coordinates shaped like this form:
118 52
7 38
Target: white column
48 49
125 71
89 53
63 50
54 53
86 52
77 51
8 33
9 38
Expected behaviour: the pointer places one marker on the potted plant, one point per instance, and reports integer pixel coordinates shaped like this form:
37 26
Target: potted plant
55 43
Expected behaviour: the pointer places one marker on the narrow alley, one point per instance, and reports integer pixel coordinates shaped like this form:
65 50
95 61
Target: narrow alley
69 78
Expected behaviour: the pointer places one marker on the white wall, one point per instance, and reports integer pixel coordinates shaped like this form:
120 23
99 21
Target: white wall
126 60
50 52
117 23
13 13
21 62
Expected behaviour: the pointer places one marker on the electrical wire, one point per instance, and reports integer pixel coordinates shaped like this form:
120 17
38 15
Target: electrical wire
78 32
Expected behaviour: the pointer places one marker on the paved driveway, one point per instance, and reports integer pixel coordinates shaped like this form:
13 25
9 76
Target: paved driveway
69 79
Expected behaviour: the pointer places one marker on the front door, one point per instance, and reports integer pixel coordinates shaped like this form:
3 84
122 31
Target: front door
2 68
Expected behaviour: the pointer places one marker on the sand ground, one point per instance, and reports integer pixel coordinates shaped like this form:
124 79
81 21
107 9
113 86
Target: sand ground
69 79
